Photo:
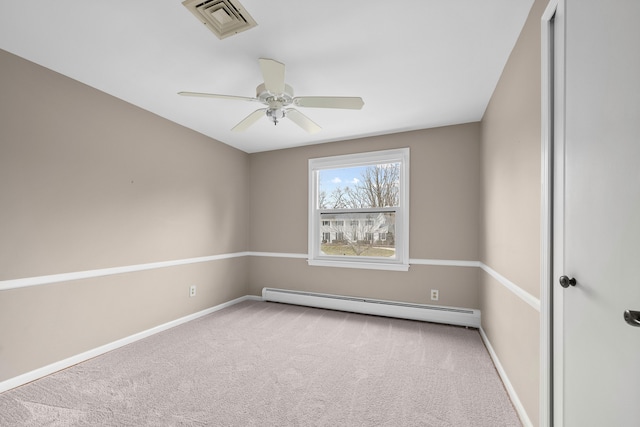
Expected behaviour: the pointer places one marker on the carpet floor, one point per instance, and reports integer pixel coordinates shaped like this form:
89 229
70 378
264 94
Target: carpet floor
267 364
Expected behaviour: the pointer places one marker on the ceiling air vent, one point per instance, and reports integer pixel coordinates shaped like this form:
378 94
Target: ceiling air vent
223 17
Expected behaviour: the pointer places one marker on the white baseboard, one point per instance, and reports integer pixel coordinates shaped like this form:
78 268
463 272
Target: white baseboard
522 413
74 360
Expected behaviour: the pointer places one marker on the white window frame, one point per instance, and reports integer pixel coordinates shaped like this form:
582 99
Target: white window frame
401 261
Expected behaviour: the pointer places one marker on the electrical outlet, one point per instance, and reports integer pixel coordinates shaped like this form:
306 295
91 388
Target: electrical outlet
192 291
435 294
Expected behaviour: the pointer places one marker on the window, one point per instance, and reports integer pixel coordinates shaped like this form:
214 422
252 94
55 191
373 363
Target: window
362 200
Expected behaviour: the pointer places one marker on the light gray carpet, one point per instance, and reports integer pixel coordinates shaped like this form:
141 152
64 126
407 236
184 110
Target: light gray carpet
268 364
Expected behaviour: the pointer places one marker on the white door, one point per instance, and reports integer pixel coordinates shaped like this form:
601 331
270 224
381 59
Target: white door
597 216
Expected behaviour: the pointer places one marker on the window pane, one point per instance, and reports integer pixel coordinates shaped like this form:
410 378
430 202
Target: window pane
367 234
373 186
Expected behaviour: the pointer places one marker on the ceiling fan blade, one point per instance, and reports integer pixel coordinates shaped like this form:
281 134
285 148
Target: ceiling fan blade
346 102
273 75
249 120
301 120
215 95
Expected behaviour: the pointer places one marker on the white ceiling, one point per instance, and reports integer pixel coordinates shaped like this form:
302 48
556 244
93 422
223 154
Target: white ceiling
416 63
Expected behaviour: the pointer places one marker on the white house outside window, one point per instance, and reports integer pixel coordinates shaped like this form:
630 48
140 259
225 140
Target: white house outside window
359 210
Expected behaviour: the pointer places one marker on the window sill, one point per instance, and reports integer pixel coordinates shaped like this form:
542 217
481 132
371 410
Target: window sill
363 265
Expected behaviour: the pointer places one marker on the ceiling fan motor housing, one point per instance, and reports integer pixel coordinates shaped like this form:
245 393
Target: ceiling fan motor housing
273 100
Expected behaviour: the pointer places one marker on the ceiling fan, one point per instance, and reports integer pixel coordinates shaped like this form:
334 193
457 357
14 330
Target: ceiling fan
278 96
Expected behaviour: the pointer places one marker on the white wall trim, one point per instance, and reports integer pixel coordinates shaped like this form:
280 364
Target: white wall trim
278 255
6 285
552 86
416 261
522 413
74 360
524 295
87 274
445 262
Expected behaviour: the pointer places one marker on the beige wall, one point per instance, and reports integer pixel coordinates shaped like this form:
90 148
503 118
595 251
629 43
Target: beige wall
445 176
87 182
510 214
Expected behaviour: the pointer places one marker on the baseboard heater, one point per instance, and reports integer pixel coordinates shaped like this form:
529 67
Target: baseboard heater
402 310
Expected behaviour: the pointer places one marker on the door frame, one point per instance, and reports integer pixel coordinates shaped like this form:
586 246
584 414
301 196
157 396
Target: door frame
552 212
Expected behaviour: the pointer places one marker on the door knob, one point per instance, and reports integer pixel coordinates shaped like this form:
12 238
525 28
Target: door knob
565 281
632 317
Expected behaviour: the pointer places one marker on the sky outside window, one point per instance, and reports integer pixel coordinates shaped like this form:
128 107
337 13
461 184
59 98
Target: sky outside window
329 179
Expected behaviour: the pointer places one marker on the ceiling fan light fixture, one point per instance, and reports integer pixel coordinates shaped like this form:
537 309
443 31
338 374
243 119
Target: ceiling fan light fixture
275 114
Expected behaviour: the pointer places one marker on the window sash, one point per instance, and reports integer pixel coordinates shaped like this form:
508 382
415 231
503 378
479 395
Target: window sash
359 233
